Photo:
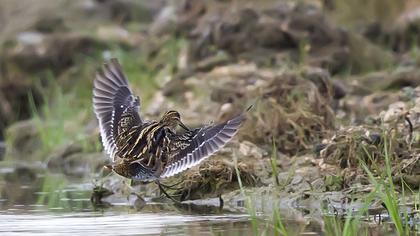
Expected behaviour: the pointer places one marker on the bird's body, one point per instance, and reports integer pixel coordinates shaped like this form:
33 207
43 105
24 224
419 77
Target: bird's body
153 150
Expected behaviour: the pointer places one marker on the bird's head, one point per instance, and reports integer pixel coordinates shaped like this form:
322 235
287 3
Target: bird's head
172 119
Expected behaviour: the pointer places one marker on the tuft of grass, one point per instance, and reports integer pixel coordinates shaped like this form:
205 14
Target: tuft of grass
276 223
248 201
385 188
58 119
350 224
273 162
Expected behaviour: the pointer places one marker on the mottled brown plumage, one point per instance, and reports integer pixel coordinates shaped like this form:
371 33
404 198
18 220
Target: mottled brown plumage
152 150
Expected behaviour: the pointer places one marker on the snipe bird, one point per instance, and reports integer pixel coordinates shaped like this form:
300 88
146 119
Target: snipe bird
149 150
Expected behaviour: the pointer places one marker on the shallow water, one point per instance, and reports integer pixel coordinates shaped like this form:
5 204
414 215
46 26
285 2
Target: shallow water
35 201
119 223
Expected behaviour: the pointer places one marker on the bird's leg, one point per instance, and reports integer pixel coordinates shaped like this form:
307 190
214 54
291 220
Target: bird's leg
221 202
129 185
165 193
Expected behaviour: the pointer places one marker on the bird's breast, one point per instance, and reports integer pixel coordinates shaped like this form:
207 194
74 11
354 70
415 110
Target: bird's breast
147 145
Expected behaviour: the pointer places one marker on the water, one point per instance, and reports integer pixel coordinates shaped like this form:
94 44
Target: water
35 201
113 223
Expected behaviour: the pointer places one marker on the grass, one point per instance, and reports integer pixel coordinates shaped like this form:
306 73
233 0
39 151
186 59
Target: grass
273 162
276 223
67 106
248 201
353 222
386 190
59 117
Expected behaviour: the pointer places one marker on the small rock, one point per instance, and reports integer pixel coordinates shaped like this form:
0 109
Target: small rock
318 185
296 180
49 24
395 111
247 148
165 21
53 51
24 138
284 178
71 160
298 184
60 153
30 38
23 175
119 35
308 173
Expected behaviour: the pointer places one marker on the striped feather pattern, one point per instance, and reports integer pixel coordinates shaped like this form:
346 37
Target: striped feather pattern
111 98
196 146
139 141
151 150
141 173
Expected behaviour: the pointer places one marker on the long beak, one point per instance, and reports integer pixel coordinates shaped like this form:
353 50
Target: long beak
109 167
184 126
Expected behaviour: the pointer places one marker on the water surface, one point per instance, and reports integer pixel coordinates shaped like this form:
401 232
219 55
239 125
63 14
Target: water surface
35 201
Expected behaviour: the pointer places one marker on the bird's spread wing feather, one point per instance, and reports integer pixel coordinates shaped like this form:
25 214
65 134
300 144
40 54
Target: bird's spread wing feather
195 146
112 96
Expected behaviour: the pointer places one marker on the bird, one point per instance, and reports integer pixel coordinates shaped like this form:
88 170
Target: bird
150 151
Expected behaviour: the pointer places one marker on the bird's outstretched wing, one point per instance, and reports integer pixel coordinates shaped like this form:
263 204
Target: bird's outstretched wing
112 97
192 147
